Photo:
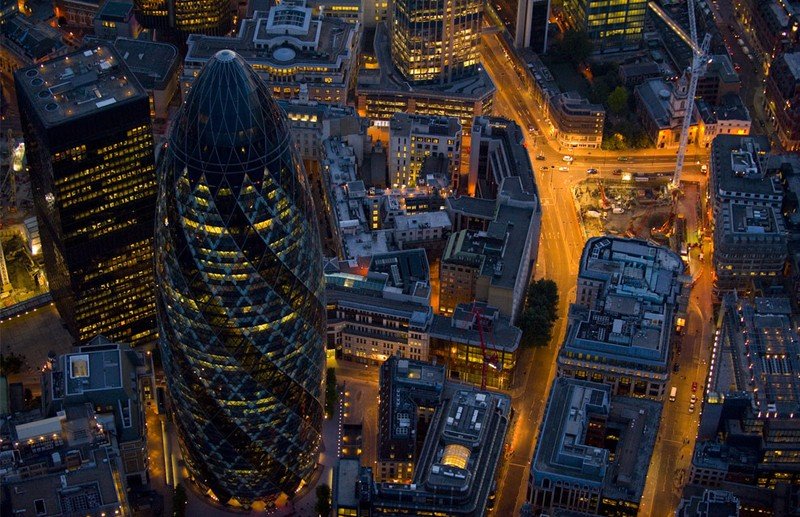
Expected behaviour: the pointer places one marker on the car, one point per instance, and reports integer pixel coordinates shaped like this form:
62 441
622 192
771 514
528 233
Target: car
691 408
617 172
563 169
737 67
676 368
592 170
544 168
694 387
540 157
694 398
704 169
568 158
623 159
531 128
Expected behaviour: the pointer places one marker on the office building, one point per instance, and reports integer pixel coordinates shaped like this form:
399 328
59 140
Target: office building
719 80
574 121
414 138
429 230
631 295
456 342
156 66
532 25
771 26
383 90
348 229
312 122
712 503
729 117
23 42
437 42
749 429
347 10
610 25
497 151
115 19
379 307
240 309
490 255
89 145
63 465
173 20
782 99
593 451
76 14
294 52
109 377
352 488
410 391
750 237
634 74
452 474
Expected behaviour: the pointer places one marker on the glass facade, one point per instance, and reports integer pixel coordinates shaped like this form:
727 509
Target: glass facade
609 23
436 41
241 292
94 189
173 20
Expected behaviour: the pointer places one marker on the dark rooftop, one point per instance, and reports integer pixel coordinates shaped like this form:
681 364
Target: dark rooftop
78 84
114 10
154 64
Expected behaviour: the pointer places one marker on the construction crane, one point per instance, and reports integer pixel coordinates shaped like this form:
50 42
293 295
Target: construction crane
697 68
477 313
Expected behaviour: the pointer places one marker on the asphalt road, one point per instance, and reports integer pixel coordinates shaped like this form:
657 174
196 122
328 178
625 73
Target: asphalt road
561 244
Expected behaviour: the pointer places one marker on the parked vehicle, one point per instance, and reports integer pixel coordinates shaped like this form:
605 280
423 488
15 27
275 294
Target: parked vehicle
568 158
673 393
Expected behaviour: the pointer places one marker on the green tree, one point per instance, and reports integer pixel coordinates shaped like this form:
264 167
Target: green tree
331 393
11 363
600 92
576 46
179 501
540 314
618 100
323 504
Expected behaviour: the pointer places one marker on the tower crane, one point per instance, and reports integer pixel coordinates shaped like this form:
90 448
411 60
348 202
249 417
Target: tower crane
698 67
477 313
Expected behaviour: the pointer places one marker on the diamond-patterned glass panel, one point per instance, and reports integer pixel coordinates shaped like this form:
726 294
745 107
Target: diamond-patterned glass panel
239 267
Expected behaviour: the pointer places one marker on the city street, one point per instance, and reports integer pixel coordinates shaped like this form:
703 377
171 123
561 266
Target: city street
561 243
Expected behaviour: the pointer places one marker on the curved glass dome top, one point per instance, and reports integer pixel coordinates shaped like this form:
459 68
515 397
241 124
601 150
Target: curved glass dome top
229 126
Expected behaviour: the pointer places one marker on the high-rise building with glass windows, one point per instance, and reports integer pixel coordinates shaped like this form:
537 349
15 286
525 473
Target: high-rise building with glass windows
240 289
89 144
436 41
174 20
610 24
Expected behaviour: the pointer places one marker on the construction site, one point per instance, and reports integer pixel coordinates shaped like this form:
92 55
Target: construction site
646 210
21 272
657 207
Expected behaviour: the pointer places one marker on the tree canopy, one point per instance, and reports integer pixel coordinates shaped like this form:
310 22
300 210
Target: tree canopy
323 504
576 45
536 320
618 100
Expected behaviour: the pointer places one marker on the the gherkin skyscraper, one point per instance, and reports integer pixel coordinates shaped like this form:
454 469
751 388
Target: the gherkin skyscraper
239 271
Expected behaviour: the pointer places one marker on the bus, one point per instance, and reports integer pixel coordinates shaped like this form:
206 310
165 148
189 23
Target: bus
672 393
